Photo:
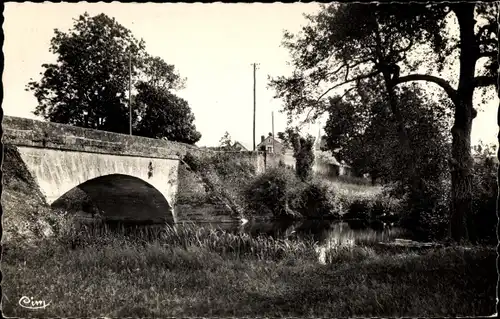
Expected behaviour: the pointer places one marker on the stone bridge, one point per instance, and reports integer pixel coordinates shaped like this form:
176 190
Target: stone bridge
127 176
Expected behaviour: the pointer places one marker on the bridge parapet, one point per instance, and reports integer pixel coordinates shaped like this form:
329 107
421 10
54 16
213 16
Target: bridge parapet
32 133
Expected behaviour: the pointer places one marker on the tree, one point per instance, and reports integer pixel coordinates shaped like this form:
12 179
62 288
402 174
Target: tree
334 52
87 85
366 135
303 151
164 115
95 96
161 75
225 141
304 156
281 136
161 114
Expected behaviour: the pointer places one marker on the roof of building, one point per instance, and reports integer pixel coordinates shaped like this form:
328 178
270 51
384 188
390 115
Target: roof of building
329 158
276 139
236 143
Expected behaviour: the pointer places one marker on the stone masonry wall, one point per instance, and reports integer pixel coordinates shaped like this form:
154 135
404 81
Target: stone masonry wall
27 132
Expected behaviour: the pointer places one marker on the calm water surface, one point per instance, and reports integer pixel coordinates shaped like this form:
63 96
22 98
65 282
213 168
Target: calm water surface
317 230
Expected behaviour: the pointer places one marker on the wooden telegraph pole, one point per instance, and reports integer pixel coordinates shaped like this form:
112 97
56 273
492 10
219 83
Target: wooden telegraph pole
130 89
254 101
272 119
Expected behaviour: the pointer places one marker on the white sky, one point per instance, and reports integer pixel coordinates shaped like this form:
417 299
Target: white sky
213 45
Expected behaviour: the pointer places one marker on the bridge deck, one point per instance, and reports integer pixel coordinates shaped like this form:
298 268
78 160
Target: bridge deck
32 133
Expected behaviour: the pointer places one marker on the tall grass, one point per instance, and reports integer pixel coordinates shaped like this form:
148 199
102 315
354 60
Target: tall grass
190 271
186 236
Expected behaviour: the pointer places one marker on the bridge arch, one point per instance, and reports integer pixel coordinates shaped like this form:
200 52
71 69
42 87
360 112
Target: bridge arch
58 172
119 197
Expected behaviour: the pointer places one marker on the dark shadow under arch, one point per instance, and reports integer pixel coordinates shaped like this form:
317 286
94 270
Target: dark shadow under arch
118 197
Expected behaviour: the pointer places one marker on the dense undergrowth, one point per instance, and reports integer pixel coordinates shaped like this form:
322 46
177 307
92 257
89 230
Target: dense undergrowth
223 176
278 192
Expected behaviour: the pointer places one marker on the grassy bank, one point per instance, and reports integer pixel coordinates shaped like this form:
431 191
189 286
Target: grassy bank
202 272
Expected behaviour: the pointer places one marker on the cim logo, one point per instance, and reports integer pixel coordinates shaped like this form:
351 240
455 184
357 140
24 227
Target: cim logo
31 303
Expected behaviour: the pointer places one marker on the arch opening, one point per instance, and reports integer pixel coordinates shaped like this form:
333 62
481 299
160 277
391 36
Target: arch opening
117 197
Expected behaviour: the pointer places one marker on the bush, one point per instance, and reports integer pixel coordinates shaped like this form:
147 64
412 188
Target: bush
425 212
374 208
318 201
485 195
193 162
275 193
358 209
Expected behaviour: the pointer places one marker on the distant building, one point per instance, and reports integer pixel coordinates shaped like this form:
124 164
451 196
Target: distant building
325 162
271 145
238 147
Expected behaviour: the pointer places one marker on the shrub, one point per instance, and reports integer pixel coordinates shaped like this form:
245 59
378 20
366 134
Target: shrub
193 162
485 195
304 157
385 208
224 175
358 209
425 212
318 201
378 208
274 193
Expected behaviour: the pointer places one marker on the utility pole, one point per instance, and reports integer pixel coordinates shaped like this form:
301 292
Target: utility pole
254 102
130 89
272 119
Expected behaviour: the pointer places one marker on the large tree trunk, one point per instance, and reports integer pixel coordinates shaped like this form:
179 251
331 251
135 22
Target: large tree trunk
498 157
461 225
404 139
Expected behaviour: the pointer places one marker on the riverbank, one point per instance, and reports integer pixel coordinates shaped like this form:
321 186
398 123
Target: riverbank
211 189
202 272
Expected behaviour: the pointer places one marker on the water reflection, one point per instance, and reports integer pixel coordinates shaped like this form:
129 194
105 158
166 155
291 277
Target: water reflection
320 231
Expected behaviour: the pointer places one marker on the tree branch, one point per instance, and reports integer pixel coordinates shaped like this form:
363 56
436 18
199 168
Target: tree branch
487 54
452 93
484 80
331 73
336 101
347 81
